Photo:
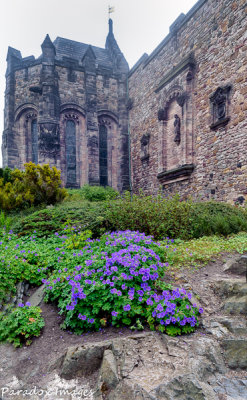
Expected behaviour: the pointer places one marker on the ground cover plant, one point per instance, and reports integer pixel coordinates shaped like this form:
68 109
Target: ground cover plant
20 324
196 252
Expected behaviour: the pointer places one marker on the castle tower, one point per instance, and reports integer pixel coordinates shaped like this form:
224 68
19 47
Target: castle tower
68 108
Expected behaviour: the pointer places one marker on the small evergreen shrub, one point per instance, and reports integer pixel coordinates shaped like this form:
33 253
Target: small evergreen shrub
98 193
84 215
116 280
35 185
19 325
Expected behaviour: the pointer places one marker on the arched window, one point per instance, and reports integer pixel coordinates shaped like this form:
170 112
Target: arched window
70 142
34 139
103 167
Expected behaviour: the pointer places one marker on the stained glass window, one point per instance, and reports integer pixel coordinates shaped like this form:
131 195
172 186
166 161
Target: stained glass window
71 152
103 167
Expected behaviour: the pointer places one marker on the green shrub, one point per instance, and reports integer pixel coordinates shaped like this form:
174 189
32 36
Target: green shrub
83 214
98 193
153 215
6 175
214 218
35 185
19 325
173 218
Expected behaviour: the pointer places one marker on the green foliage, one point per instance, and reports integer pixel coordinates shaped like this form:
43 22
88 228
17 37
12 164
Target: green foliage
4 221
195 252
6 175
212 218
83 215
20 324
173 218
76 239
27 259
93 193
35 185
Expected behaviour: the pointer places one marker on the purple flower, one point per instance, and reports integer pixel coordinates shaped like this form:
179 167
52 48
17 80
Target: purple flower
82 317
200 310
28 304
114 313
20 305
127 307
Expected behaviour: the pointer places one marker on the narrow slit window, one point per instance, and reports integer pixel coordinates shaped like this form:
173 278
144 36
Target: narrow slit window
34 135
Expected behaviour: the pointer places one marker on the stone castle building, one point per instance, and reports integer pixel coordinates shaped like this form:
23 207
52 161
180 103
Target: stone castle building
178 118
68 108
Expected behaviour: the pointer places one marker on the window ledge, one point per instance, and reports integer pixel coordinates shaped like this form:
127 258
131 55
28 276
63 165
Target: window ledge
182 172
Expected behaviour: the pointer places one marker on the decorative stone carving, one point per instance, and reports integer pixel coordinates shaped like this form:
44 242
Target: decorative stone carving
182 98
49 140
162 114
145 146
31 115
177 127
220 102
71 116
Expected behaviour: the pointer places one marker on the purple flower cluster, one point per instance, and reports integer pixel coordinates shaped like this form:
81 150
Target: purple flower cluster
127 268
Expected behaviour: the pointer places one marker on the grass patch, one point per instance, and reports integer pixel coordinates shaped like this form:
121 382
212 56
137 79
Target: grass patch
181 253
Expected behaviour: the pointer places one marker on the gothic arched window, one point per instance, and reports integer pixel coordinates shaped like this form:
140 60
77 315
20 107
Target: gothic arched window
103 167
34 139
70 142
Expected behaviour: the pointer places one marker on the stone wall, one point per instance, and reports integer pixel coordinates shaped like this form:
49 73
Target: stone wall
204 51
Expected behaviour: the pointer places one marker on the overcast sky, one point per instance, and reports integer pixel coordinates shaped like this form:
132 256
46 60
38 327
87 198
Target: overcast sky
138 25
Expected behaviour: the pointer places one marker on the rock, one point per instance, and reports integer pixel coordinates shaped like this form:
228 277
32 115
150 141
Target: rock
185 387
215 328
126 392
108 377
235 352
236 265
235 389
234 325
83 360
231 287
56 364
38 296
236 305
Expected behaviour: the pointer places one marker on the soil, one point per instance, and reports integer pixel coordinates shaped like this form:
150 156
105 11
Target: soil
31 364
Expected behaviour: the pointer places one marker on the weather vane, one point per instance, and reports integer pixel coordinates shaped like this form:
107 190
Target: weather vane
110 10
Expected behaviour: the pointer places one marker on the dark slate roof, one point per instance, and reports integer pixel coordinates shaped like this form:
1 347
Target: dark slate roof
76 50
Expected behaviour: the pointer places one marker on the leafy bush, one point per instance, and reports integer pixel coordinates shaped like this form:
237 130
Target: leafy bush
81 214
4 221
116 280
212 218
162 217
6 175
20 324
20 259
93 193
36 185
153 215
